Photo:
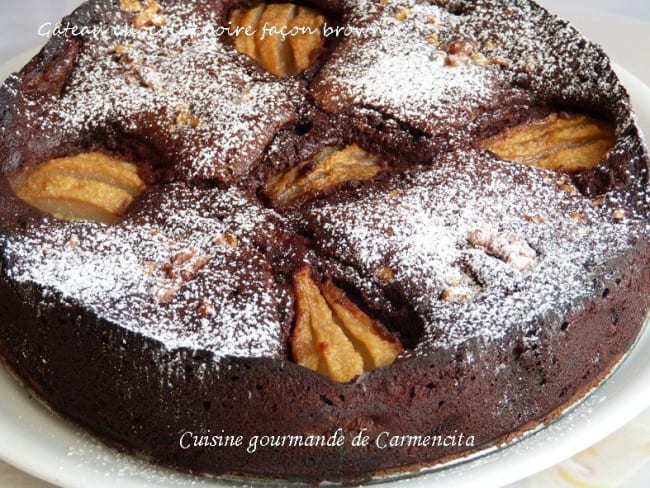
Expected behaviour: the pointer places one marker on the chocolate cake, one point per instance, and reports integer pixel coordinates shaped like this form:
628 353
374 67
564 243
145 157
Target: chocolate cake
238 253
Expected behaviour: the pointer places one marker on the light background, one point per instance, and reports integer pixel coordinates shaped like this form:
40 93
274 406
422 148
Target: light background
622 27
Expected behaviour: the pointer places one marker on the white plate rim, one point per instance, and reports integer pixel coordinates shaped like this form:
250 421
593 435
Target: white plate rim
40 443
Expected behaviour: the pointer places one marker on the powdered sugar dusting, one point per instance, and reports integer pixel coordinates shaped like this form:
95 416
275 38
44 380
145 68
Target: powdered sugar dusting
133 80
196 277
424 228
400 70
230 306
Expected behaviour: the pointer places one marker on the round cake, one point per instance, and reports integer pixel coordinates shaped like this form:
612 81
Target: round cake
318 241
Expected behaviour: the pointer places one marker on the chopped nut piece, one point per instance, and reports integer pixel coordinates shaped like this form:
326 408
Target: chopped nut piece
226 240
461 52
145 76
432 21
282 56
479 59
599 202
567 186
130 5
185 118
333 336
150 16
149 267
327 170
120 49
167 295
454 60
456 294
439 58
89 186
246 94
579 217
183 257
535 219
403 14
570 143
434 39
205 308
531 64
619 214
461 289
490 45
385 275
182 268
72 243
462 47
503 62
511 249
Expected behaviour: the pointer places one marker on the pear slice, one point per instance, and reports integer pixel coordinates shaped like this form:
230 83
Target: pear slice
286 55
333 336
275 53
324 172
368 336
245 43
89 186
95 166
569 143
309 40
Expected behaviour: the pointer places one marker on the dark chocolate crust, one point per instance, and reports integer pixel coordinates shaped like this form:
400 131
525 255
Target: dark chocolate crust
82 322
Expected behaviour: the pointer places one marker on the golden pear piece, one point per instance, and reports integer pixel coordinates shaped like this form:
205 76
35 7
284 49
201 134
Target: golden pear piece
245 42
275 54
569 143
308 40
327 170
89 186
282 37
333 336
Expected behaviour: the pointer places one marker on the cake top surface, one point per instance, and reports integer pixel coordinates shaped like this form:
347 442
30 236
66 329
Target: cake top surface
189 274
138 81
476 246
190 265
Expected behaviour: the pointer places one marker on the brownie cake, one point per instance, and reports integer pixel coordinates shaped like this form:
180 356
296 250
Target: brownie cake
406 219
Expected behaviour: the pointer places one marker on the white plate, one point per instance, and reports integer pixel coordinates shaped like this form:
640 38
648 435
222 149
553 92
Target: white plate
38 442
